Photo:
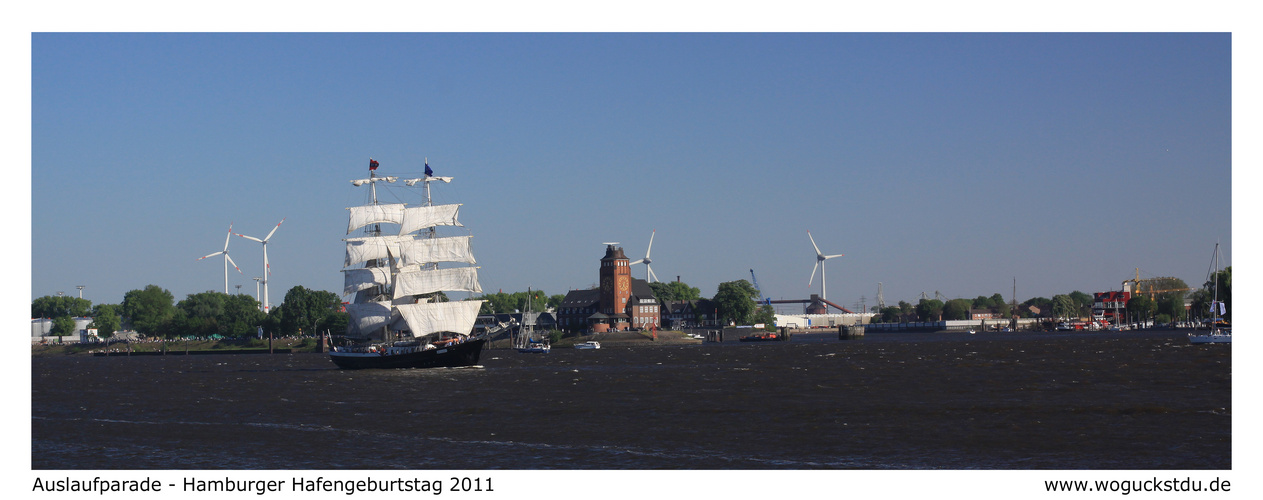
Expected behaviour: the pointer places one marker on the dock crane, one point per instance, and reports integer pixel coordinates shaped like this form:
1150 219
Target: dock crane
762 299
1137 284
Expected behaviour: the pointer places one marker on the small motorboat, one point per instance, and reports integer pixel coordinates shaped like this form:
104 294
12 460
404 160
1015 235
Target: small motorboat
591 344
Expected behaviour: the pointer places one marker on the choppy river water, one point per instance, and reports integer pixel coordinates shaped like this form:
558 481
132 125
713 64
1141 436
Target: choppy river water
890 401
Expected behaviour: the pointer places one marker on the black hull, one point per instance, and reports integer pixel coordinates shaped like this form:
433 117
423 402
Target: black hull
463 354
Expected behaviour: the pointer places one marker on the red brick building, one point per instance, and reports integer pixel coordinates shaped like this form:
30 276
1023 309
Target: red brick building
618 303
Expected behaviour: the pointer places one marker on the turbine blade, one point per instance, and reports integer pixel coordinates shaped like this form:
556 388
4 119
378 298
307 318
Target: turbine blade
267 268
641 261
211 255
234 264
228 237
651 274
650 249
813 243
249 237
832 256
813 273
278 226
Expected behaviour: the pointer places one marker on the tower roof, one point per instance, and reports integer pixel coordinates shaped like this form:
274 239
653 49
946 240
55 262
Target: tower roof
614 252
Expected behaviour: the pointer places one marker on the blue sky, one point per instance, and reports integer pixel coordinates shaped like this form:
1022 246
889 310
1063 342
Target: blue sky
934 162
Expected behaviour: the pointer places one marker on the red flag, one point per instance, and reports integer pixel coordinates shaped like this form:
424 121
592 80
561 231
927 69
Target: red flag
372 164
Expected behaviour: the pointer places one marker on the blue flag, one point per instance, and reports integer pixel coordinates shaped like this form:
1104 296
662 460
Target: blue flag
428 172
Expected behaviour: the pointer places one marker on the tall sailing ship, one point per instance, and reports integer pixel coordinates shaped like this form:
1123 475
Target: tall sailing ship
398 272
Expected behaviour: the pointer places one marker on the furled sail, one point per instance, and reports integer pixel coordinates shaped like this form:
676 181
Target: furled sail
368 317
425 251
372 214
456 317
355 280
462 279
417 218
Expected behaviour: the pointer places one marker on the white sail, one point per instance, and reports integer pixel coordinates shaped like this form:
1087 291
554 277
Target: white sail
417 218
355 280
425 251
456 317
369 317
372 214
365 249
462 279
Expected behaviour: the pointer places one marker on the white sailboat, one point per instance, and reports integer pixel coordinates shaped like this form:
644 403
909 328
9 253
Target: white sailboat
395 276
1219 332
526 341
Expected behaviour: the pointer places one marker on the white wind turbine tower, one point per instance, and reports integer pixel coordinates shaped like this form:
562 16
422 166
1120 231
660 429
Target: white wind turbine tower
649 276
267 271
227 259
820 258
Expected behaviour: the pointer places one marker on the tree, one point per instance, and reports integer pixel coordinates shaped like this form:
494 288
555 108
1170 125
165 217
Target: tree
1172 306
1002 310
202 314
63 325
1201 304
504 303
905 310
891 314
1082 303
765 315
148 309
675 290
242 316
50 306
309 310
1064 307
1140 307
957 309
105 319
735 301
1044 305
929 309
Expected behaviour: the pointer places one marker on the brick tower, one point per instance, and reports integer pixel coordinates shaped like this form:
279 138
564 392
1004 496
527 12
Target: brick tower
615 281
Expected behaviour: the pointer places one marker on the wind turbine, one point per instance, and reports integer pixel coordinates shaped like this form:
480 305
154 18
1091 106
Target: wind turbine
227 259
820 258
649 276
267 271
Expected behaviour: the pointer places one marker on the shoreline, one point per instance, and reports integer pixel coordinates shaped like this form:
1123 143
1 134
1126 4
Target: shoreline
628 339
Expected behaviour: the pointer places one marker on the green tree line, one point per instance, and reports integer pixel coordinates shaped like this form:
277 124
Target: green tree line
153 312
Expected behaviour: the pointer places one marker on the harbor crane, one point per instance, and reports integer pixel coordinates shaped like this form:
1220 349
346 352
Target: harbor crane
1138 284
762 299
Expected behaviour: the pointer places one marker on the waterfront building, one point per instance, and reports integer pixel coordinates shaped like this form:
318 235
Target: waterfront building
689 313
983 314
618 303
1110 306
